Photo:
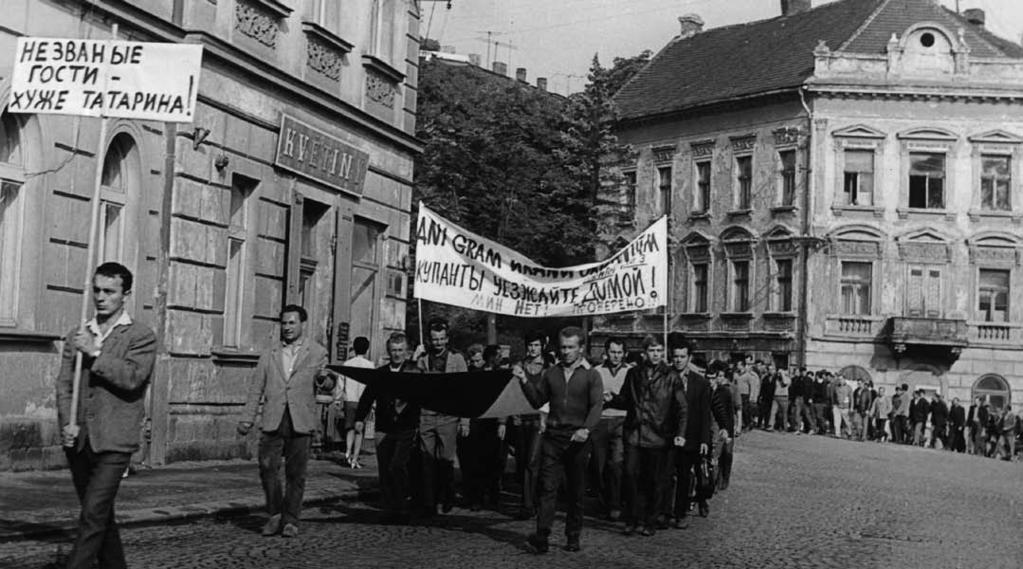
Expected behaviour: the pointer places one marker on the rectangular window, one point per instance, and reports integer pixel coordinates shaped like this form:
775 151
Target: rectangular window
744 181
927 180
628 197
993 293
995 183
235 288
664 187
740 286
10 233
702 200
365 268
788 177
111 241
855 287
783 288
859 177
923 295
384 17
699 301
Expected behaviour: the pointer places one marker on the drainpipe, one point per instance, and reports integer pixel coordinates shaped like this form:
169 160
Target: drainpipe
804 280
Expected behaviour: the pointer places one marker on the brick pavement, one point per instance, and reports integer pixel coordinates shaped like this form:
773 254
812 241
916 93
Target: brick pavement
795 502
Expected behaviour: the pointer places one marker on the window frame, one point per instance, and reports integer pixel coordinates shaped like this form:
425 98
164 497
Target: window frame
980 291
928 181
701 187
787 177
844 281
781 302
734 292
699 300
743 189
846 201
240 230
664 177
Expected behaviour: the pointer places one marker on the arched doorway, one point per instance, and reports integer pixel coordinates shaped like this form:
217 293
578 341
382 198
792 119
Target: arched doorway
995 388
853 374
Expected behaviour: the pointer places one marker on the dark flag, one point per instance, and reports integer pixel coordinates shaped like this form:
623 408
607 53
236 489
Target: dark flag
475 394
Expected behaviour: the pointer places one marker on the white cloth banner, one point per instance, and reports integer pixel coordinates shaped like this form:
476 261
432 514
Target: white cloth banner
111 78
457 267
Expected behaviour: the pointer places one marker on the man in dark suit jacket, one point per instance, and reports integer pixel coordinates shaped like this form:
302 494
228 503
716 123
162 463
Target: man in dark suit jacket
117 365
396 424
285 381
697 435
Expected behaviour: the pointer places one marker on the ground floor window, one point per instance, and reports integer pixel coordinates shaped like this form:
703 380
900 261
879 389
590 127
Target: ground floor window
995 388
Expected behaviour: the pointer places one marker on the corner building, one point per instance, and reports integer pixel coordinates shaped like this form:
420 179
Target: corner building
844 189
293 184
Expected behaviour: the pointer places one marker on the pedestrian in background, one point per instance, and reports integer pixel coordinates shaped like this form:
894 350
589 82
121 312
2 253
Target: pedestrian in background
880 411
821 402
576 397
347 393
528 428
919 409
608 444
780 403
117 364
939 423
688 458
749 390
285 382
957 418
841 406
722 407
901 422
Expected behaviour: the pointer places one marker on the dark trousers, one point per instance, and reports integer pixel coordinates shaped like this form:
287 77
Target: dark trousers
959 438
437 439
804 414
608 458
684 465
394 451
294 449
645 478
562 459
479 456
820 414
96 477
528 442
747 412
900 429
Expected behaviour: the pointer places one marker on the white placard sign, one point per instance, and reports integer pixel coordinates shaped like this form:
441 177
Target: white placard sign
457 267
111 78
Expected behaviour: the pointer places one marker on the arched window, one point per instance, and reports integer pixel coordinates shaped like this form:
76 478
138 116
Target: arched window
995 388
119 182
855 373
12 208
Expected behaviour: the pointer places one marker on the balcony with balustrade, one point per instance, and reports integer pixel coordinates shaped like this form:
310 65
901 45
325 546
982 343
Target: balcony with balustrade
853 326
945 336
995 334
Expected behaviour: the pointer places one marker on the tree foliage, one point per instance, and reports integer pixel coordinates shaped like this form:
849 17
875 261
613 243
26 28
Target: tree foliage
517 164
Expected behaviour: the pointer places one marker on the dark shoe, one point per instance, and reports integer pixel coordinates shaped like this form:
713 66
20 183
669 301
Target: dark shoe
681 523
647 531
630 529
272 526
723 484
572 545
662 523
704 509
537 544
290 530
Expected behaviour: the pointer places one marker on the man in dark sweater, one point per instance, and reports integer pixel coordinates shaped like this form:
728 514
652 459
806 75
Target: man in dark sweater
396 424
939 422
957 417
697 436
575 393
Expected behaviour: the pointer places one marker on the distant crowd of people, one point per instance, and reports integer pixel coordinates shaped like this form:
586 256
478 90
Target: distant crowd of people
823 403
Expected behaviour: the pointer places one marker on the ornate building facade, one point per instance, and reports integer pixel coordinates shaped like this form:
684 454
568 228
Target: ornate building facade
223 220
845 191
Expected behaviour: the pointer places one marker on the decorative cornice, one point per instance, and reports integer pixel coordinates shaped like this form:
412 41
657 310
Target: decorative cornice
339 43
664 154
254 20
380 89
786 136
702 148
323 57
383 68
743 143
281 9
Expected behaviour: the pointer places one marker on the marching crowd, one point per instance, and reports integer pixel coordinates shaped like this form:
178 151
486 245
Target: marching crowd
823 402
652 440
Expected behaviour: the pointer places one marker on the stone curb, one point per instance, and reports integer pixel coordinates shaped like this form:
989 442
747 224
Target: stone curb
41 528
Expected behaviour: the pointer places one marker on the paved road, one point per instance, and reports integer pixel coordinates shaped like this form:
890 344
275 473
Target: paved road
795 502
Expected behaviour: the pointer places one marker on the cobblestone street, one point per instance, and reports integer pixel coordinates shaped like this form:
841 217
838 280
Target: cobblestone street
794 502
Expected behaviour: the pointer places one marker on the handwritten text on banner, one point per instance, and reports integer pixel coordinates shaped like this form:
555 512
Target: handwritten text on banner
456 267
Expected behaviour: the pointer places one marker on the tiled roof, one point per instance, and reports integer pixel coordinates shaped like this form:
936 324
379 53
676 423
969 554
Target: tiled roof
777 54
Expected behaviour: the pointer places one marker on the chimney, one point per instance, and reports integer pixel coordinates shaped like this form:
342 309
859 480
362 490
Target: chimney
691 24
448 49
790 7
520 74
541 83
501 68
975 16
475 59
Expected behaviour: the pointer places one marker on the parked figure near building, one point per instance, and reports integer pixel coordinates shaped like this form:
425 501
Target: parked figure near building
576 397
655 405
749 389
1008 424
528 429
687 459
977 419
957 418
939 423
841 406
438 432
117 364
608 444
396 424
880 412
347 394
285 381
919 409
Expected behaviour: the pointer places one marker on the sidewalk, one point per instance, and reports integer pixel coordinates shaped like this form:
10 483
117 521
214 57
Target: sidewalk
34 504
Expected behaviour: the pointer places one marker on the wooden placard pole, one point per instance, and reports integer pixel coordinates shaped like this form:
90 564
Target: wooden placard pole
89 263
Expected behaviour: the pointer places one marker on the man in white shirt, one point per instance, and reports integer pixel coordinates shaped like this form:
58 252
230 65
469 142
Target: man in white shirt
347 393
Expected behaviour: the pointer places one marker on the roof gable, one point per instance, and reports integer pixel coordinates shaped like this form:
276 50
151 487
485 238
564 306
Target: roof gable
896 16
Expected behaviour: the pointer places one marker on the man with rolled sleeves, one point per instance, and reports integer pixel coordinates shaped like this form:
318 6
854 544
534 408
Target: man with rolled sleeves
576 396
117 365
285 381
